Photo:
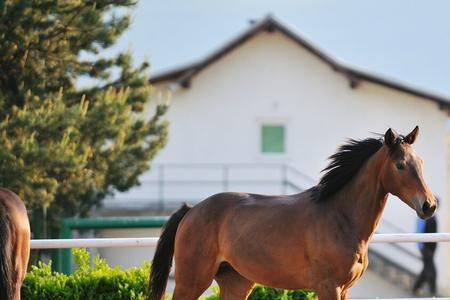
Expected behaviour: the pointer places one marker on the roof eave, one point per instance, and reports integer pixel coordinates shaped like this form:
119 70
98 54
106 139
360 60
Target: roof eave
183 75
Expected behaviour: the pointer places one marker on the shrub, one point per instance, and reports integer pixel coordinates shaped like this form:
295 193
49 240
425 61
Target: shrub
100 282
265 293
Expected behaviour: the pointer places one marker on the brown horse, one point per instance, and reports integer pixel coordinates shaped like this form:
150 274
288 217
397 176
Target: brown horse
317 239
14 244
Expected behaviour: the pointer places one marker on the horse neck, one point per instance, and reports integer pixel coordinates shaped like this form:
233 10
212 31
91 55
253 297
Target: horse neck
362 201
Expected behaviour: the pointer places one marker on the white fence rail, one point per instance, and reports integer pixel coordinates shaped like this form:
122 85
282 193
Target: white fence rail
151 242
94 243
410 237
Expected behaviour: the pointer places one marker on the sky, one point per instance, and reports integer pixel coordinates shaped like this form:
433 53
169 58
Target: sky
407 40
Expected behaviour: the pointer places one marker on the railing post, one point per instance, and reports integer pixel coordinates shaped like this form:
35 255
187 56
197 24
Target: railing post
64 260
225 178
284 179
161 188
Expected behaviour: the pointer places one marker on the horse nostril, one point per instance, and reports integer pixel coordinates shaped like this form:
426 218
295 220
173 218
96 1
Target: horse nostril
425 207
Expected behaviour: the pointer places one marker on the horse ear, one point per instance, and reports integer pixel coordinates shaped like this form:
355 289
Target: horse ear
411 137
390 137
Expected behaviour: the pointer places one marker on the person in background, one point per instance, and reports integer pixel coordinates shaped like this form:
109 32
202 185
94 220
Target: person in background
428 274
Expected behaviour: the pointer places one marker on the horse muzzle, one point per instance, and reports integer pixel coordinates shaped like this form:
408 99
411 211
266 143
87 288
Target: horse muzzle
425 208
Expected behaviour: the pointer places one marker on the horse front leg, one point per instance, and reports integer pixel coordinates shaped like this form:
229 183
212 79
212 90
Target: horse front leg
330 292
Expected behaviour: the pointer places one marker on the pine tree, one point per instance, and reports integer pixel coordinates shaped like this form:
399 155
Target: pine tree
65 148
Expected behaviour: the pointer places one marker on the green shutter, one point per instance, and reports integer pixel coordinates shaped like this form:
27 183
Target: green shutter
272 139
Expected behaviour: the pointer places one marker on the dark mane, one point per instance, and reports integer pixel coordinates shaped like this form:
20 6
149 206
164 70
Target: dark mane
344 165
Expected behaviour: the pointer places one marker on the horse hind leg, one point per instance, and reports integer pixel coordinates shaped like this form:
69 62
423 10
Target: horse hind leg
193 276
22 254
190 288
233 286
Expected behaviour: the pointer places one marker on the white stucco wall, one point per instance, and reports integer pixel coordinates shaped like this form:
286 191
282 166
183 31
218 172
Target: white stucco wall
272 79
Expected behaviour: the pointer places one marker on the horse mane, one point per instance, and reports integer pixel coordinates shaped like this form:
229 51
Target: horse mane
344 165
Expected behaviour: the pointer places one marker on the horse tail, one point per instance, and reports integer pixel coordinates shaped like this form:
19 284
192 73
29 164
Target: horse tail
162 260
7 285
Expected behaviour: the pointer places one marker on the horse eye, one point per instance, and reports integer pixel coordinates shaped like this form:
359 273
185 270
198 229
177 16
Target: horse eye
400 166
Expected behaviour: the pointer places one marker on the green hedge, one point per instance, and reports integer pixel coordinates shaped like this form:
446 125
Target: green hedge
100 282
265 293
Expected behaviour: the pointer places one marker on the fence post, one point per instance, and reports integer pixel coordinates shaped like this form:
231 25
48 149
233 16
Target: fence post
64 256
284 181
225 178
161 188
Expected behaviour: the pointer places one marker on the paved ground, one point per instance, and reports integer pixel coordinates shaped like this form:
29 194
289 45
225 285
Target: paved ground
372 286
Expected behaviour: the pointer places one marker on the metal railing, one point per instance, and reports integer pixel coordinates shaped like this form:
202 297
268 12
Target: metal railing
394 228
202 179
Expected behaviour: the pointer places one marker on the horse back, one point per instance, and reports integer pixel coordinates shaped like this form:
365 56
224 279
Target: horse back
15 208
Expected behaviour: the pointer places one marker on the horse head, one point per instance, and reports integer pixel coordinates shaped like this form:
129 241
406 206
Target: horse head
403 173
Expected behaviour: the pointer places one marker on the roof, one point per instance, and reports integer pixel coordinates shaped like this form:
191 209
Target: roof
183 75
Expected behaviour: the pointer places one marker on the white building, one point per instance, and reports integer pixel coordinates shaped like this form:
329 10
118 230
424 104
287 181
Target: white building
270 101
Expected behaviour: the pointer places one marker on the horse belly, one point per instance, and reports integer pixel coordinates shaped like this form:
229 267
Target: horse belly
271 266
